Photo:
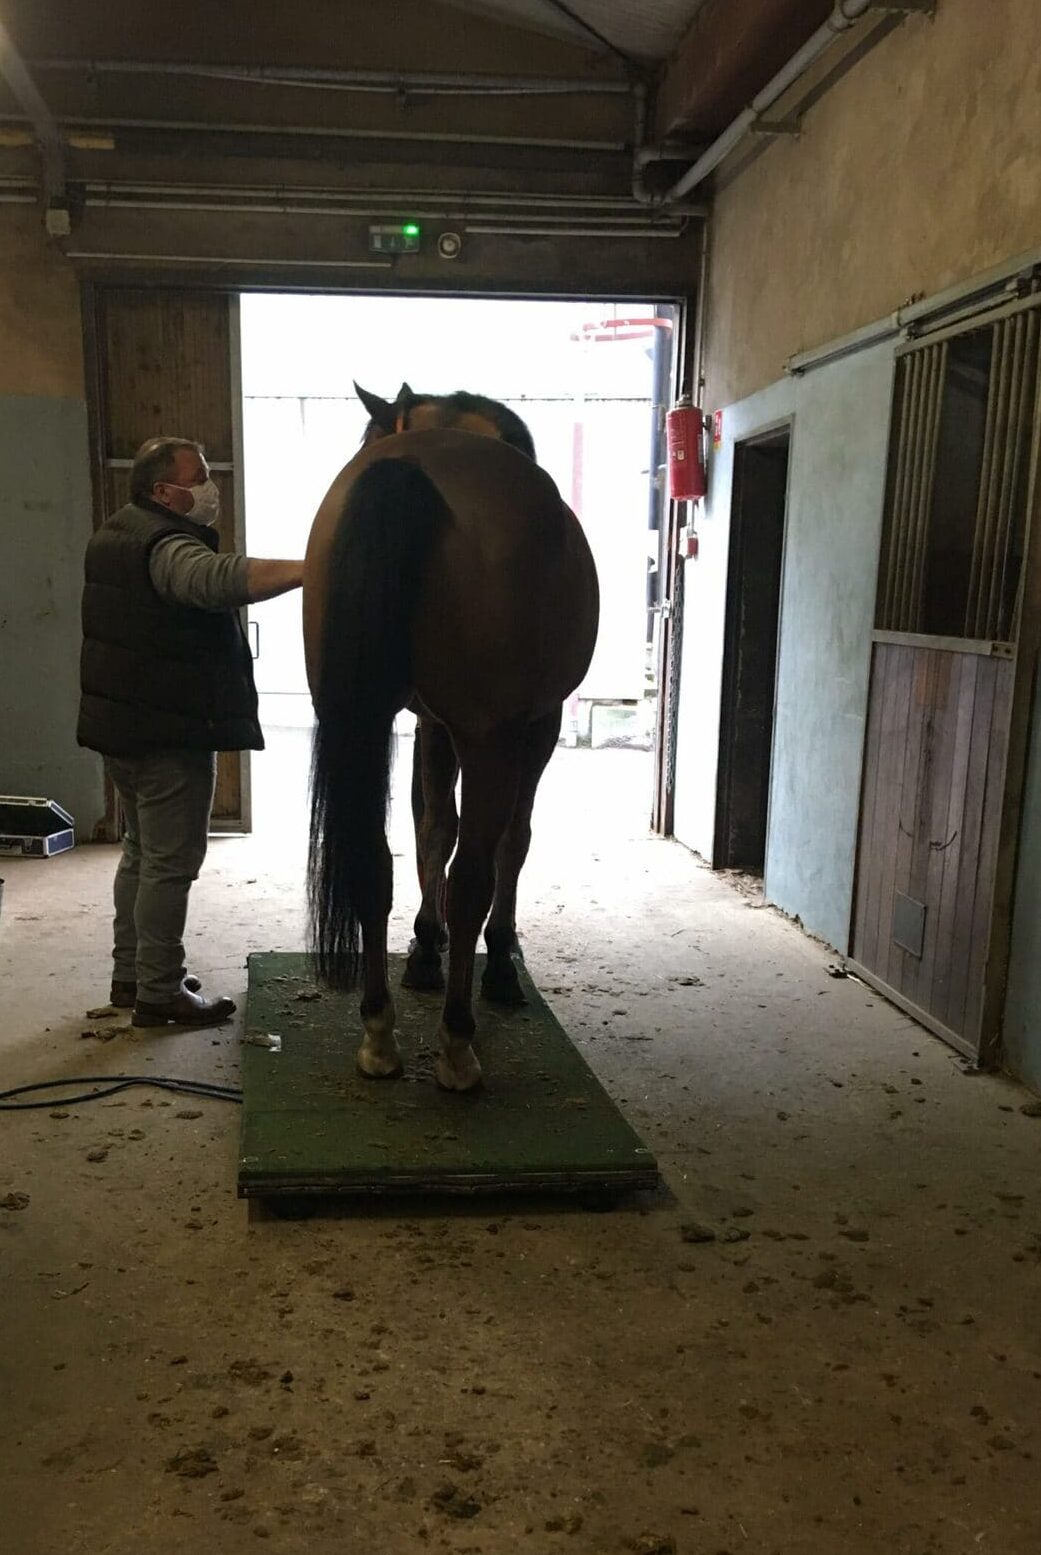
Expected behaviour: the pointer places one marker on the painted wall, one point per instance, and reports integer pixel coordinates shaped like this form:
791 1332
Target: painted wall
45 521
918 169
836 482
840 421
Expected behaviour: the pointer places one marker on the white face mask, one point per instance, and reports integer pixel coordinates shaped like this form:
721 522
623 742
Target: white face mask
205 508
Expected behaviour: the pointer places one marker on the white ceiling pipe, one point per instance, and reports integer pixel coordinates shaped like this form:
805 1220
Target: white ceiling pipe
845 15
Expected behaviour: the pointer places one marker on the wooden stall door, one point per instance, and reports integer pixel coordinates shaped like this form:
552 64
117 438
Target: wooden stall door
930 820
167 361
952 673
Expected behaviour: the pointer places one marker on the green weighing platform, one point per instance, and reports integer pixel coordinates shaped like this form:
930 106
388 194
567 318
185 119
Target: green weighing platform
312 1125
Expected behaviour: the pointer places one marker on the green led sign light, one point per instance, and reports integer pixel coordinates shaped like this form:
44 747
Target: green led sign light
397 238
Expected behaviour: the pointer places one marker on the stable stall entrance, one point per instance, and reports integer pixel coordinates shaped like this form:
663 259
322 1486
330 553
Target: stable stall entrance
750 651
952 656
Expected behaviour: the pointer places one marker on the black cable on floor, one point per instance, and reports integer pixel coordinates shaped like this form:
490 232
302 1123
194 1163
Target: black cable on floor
111 1085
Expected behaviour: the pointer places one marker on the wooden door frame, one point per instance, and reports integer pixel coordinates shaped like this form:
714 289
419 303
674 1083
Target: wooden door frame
244 824
109 827
687 368
686 371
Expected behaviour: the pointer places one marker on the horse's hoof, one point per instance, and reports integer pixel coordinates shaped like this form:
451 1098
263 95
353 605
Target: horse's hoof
461 1072
379 1063
503 987
423 974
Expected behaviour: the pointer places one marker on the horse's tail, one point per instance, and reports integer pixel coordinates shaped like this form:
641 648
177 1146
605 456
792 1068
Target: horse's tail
377 565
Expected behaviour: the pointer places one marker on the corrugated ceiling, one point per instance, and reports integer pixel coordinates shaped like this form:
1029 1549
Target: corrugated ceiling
649 29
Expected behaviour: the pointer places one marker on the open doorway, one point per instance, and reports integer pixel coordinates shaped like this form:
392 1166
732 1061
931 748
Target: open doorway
590 379
750 651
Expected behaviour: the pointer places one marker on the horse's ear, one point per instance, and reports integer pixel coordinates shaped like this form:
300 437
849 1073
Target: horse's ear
381 411
405 394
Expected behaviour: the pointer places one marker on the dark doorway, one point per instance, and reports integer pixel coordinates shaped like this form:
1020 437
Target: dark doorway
750 651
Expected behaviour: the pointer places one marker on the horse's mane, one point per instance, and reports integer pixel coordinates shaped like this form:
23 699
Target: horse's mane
512 429
452 407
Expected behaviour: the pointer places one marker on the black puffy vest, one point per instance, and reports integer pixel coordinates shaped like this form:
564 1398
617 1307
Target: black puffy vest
158 676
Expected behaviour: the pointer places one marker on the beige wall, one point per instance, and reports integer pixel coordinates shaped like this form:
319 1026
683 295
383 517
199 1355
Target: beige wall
921 167
40 330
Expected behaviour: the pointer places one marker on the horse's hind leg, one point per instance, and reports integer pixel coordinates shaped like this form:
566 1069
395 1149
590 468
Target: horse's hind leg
490 780
379 1055
437 828
500 982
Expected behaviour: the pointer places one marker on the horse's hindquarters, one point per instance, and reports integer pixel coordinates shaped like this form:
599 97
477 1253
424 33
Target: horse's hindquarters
508 618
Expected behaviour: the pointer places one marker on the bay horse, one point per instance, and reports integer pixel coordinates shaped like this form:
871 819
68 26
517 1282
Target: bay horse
443 572
432 749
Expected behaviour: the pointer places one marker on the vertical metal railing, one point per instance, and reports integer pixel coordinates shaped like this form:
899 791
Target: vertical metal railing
920 389
935 368
898 479
909 551
995 607
991 472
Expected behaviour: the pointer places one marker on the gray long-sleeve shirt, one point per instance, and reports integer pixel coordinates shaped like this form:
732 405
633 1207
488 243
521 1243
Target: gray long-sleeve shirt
186 572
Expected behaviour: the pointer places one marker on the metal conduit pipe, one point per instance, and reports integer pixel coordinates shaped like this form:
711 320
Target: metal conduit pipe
223 261
537 224
433 83
445 205
663 151
845 15
414 201
636 223
969 299
335 132
513 231
403 199
645 152
14 70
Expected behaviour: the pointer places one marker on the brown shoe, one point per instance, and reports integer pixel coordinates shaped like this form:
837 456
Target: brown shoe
184 1009
123 996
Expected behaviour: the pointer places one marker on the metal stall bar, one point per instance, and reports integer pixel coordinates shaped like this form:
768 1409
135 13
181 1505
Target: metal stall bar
990 439
925 470
1003 474
904 603
1019 425
886 615
935 369
990 483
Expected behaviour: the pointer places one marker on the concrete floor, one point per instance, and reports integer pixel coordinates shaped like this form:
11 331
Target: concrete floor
862 1372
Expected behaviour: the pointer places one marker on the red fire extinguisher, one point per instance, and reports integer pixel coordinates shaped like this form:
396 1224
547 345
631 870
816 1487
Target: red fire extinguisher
684 428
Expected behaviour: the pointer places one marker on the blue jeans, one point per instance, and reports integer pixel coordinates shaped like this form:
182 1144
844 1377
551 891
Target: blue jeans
166 798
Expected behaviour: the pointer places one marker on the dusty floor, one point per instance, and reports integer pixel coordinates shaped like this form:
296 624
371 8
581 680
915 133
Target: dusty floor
861 1372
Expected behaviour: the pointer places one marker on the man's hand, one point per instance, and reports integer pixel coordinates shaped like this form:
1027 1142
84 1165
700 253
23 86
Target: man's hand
268 579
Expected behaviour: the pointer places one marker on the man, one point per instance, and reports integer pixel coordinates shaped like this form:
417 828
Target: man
167 680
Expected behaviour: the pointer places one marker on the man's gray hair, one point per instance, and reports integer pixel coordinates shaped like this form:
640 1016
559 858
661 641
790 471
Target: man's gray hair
154 461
